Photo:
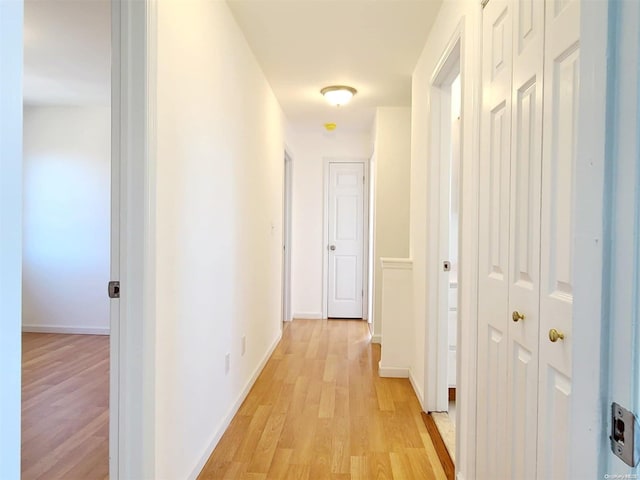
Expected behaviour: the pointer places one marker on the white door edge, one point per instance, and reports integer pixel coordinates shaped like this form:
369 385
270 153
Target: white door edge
133 368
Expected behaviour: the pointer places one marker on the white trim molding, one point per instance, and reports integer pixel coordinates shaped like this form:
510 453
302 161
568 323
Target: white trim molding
234 409
416 389
377 339
73 330
307 316
396 263
393 372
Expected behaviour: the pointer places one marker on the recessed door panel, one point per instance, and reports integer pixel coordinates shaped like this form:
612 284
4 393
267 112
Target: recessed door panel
523 401
498 191
554 426
346 212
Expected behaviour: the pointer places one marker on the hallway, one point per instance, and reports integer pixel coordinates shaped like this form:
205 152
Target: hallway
320 410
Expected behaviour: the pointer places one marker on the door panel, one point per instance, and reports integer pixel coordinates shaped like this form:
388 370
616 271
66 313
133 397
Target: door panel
346 212
556 297
494 239
524 246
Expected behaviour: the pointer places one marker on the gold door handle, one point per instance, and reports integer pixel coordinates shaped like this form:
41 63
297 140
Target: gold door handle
555 335
516 315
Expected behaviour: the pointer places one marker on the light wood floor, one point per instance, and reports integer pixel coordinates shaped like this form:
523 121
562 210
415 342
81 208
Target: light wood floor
319 410
65 398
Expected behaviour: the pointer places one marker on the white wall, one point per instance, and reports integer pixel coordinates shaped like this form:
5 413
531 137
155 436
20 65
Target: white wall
392 143
218 224
66 219
11 21
309 148
463 17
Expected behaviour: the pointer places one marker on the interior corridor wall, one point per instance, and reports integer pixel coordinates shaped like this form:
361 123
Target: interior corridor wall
218 227
309 148
66 219
392 144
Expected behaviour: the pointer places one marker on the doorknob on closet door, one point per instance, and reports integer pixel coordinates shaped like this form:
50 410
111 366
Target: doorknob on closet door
555 335
516 315
332 247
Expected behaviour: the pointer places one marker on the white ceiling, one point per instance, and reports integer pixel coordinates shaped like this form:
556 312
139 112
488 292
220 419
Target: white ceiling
67 52
304 45
301 45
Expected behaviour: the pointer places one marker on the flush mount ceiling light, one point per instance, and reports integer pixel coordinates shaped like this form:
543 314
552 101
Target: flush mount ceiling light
338 94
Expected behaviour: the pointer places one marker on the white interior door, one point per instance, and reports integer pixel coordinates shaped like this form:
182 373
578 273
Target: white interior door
561 88
493 242
346 240
524 247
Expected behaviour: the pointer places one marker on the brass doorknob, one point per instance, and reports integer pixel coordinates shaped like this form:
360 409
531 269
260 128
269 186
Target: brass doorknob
516 315
555 335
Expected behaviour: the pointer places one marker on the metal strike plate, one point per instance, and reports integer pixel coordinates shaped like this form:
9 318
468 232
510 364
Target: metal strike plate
114 289
625 442
446 266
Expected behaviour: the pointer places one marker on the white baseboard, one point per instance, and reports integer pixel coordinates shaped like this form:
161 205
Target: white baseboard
234 409
416 389
66 330
393 372
308 315
376 339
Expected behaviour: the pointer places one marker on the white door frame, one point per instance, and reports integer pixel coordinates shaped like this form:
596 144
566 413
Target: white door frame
132 364
591 327
447 69
325 232
370 241
287 204
466 351
11 124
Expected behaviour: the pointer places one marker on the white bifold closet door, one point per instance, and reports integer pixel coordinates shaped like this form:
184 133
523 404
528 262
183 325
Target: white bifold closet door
493 242
561 93
525 238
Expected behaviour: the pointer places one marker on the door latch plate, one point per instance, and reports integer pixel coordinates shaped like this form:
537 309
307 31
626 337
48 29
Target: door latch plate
446 266
114 289
625 443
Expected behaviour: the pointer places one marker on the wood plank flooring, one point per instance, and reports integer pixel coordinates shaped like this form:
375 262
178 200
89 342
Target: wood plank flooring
319 410
65 406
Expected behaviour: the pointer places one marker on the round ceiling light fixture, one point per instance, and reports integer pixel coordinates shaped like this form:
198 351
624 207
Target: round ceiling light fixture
338 94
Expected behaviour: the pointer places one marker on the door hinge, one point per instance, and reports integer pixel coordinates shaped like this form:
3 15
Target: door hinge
625 441
114 289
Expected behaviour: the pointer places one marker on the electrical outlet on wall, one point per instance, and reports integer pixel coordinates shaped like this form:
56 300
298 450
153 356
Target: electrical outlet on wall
243 344
227 363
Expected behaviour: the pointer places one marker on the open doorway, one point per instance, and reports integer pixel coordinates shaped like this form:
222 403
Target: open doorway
66 239
454 215
286 238
446 134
